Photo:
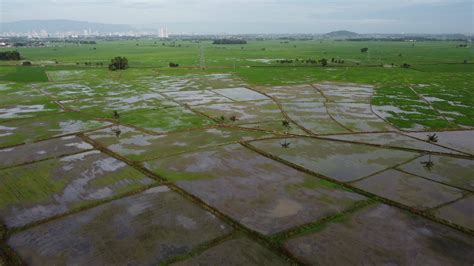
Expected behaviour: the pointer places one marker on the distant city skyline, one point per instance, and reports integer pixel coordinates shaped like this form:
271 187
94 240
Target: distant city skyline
39 32
257 16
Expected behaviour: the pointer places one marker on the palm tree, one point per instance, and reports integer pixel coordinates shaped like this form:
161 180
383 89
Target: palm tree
428 164
116 115
117 130
287 126
432 138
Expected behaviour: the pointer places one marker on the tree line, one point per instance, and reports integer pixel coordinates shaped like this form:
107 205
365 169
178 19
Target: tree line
10 55
229 41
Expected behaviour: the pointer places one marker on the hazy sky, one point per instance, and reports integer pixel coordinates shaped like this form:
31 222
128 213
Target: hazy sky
258 16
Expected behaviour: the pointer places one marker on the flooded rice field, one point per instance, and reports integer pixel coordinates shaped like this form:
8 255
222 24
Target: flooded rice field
47 188
340 161
207 169
157 223
370 234
262 194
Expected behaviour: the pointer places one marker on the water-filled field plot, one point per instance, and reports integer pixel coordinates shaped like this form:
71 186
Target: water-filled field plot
394 140
42 150
33 129
106 106
197 97
275 126
239 251
357 117
192 82
139 146
262 194
350 93
12 94
456 172
459 212
242 112
297 93
145 229
409 190
44 189
241 94
187 166
166 119
313 117
450 102
458 140
381 234
406 110
27 111
23 101
343 162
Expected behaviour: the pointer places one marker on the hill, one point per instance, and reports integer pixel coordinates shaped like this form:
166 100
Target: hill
341 34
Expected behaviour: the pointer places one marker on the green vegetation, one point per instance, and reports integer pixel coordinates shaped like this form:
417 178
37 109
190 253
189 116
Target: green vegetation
25 74
229 41
118 63
10 55
392 66
229 126
30 185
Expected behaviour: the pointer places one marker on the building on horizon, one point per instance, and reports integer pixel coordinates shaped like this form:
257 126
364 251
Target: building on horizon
163 33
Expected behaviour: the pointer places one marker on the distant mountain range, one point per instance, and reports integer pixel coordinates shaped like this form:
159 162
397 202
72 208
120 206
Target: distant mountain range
61 26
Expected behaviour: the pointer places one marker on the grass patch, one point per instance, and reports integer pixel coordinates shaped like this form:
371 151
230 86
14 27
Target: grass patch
26 74
28 185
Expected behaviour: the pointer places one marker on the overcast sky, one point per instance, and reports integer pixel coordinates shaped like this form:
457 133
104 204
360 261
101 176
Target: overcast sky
258 16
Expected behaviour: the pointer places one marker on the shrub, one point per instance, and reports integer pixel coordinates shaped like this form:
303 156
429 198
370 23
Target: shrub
118 63
10 55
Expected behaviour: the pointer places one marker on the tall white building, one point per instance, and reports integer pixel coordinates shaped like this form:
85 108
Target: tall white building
163 33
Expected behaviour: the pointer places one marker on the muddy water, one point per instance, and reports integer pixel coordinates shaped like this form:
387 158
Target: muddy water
241 251
313 116
241 94
124 103
459 140
260 193
62 184
459 212
156 223
294 94
341 161
24 111
197 97
27 130
138 146
392 140
357 117
248 112
346 92
381 235
453 171
409 190
70 90
41 150
275 126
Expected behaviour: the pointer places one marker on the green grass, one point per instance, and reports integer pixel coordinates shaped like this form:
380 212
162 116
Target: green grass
25 74
438 64
28 186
